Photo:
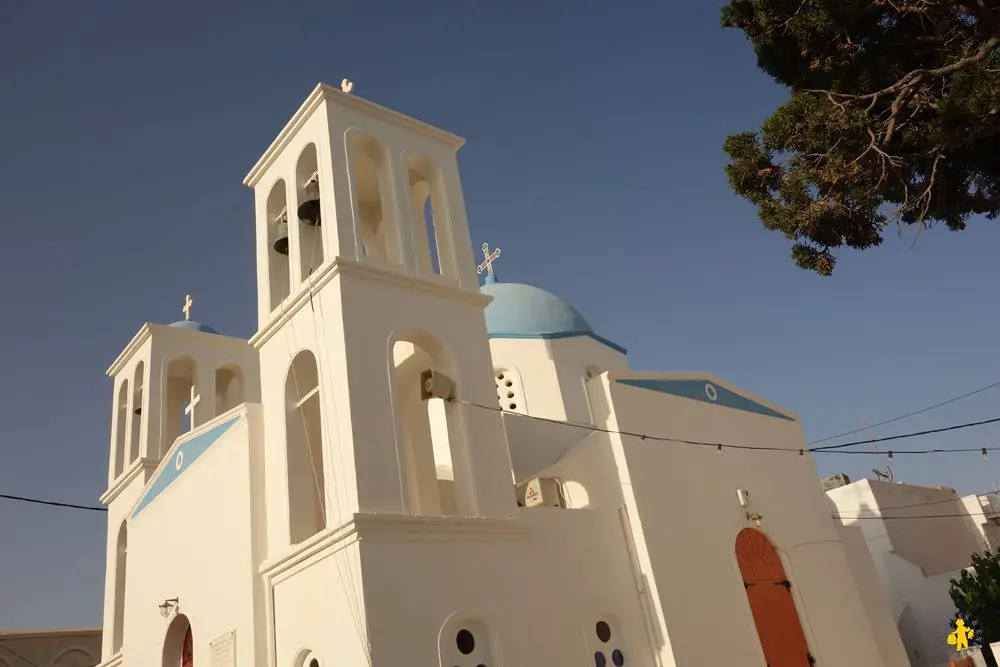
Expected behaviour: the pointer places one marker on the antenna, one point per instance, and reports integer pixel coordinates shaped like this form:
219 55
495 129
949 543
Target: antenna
883 473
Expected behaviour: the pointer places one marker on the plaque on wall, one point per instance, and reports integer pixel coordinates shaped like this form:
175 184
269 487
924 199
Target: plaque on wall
223 650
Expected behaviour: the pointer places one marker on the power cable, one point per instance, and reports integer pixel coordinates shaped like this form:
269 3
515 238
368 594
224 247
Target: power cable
908 414
53 503
966 515
828 449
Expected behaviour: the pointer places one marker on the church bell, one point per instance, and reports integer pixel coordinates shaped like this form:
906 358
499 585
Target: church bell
281 242
309 212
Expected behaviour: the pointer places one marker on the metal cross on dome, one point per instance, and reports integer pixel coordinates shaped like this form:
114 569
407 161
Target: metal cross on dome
488 259
188 302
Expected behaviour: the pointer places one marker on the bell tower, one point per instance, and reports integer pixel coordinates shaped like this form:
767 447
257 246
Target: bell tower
371 332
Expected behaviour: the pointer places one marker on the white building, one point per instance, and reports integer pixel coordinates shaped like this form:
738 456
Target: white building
345 488
916 557
984 509
68 647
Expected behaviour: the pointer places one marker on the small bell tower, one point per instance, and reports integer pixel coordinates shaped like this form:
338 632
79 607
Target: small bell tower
169 380
371 331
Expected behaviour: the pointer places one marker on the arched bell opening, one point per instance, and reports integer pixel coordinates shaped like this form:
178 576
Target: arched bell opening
138 386
121 428
429 427
309 211
430 222
371 191
277 241
182 412
228 388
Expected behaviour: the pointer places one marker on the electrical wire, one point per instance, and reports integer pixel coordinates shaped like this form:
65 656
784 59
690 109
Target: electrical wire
908 414
828 449
966 515
53 503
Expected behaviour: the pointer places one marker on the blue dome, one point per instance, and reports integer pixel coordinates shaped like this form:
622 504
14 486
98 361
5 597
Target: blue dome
524 311
191 325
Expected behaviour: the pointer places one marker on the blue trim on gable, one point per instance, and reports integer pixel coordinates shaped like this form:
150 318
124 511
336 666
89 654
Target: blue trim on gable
561 334
702 391
180 459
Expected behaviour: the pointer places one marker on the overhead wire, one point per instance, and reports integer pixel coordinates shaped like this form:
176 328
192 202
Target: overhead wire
828 449
52 503
908 414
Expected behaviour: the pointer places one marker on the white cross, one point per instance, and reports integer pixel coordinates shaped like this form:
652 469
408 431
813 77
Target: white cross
189 408
488 259
188 302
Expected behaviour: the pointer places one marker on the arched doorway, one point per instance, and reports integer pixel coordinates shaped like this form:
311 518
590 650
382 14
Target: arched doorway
771 603
178 644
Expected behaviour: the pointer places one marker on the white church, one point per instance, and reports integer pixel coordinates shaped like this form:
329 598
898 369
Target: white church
403 467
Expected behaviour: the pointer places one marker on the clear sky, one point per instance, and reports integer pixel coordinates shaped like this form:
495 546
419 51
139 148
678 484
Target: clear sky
593 159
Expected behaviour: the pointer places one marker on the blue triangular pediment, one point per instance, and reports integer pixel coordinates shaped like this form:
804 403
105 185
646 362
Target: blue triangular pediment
180 458
704 391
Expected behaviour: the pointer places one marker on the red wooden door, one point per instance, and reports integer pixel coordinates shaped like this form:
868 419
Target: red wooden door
187 650
771 601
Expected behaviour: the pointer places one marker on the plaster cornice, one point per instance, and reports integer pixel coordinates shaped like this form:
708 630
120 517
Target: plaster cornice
149 328
391 527
349 267
137 340
60 632
119 485
321 93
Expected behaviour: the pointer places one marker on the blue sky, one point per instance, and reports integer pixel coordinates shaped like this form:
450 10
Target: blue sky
593 159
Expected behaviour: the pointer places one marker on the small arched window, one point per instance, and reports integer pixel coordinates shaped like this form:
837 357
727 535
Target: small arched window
466 643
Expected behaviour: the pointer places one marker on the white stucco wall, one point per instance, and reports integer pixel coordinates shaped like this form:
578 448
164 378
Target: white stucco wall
877 608
195 542
914 564
553 373
539 583
691 554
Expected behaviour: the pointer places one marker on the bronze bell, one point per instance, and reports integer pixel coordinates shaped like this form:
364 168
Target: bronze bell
309 212
137 411
281 242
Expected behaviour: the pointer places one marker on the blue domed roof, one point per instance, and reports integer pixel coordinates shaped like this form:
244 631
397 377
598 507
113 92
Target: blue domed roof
191 325
524 311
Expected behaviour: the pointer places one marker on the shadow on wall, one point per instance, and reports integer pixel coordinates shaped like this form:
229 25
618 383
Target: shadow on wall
903 550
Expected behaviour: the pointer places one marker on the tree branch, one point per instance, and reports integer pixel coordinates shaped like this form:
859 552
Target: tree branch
916 75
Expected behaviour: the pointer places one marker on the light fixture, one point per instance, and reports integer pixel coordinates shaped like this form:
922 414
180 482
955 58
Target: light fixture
168 607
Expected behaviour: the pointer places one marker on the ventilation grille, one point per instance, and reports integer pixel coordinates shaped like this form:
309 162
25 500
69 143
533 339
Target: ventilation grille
509 393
